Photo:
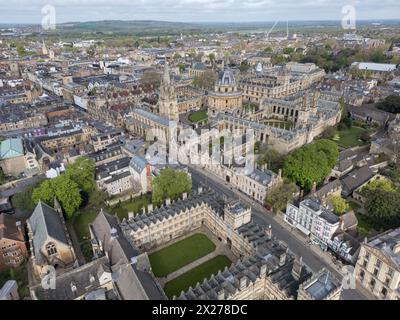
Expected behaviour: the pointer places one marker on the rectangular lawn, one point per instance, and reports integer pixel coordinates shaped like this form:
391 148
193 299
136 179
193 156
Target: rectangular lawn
351 137
179 254
135 205
190 278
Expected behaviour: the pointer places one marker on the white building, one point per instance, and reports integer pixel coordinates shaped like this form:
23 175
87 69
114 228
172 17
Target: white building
314 220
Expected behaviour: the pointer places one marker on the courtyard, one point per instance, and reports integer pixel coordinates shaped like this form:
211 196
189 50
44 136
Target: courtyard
185 262
179 254
197 274
198 116
351 137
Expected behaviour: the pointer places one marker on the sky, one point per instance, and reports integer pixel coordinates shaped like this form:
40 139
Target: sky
30 11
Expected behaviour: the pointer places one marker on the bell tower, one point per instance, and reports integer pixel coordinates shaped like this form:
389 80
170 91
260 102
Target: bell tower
168 102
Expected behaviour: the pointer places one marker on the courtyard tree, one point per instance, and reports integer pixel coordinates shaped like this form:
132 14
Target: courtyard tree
384 206
82 172
278 197
339 204
23 200
170 184
64 189
390 104
311 163
272 158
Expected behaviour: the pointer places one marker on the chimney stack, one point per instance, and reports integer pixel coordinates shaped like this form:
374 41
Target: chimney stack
167 201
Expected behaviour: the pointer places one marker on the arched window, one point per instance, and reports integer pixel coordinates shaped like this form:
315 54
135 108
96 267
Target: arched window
51 249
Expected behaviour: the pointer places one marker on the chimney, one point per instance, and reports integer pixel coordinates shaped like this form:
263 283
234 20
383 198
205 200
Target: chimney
184 196
221 294
131 215
150 207
167 201
314 188
242 282
263 270
19 226
200 190
297 268
143 210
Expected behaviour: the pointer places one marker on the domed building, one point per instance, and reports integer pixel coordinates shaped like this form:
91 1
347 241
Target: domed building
226 96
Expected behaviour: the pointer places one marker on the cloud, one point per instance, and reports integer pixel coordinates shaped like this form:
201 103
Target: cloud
195 10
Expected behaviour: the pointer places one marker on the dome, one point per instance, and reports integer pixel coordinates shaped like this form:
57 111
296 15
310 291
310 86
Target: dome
227 78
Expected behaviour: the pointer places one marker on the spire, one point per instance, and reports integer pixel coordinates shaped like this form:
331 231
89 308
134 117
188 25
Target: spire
166 75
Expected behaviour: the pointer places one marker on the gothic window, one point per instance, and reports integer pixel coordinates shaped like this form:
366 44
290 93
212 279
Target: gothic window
51 249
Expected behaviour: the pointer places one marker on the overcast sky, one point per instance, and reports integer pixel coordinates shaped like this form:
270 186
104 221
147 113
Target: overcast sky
29 11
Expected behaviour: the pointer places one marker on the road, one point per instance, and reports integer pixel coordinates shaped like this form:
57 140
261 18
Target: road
297 244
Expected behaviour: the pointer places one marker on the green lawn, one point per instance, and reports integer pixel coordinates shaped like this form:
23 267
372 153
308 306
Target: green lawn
81 224
198 116
20 275
190 278
351 137
135 205
366 224
280 124
179 254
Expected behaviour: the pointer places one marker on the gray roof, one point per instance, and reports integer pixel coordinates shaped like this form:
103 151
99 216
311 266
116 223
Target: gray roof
132 284
151 116
46 223
138 164
85 279
322 286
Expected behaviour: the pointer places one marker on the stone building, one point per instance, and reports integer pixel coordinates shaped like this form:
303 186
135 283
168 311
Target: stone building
49 240
378 265
168 101
226 95
266 269
13 250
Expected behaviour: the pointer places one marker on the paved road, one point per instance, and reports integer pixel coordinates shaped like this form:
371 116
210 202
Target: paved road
261 216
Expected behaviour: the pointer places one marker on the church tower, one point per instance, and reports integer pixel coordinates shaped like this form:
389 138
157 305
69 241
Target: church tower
45 51
168 102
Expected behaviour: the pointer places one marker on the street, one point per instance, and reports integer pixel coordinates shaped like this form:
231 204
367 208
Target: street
297 244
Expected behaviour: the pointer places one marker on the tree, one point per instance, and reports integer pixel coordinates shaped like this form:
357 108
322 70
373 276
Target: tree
64 189
272 158
384 206
82 172
340 205
23 200
279 196
390 104
68 194
211 56
151 77
44 192
379 184
170 184
206 80
311 163
177 56
244 66
268 50
288 50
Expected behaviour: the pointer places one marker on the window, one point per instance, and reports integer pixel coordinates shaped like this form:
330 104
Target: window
362 274
51 249
378 263
384 292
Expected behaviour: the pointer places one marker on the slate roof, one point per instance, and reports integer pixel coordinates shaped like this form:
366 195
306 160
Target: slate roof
138 164
132 284
85 279
46 222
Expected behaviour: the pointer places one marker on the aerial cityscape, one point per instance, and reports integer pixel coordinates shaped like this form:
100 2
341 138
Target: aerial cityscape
200 150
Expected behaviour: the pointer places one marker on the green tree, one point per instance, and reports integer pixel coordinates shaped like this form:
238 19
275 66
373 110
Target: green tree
268 50
390 104
82 172
272 158
64 189
288 50
68 194
244 66
384 206
279 196
45 192
177 56
340 205
206 80
211 56
311 163
170 184
380 184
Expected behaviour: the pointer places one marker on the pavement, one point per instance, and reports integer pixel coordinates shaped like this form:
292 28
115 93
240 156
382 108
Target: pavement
314 258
